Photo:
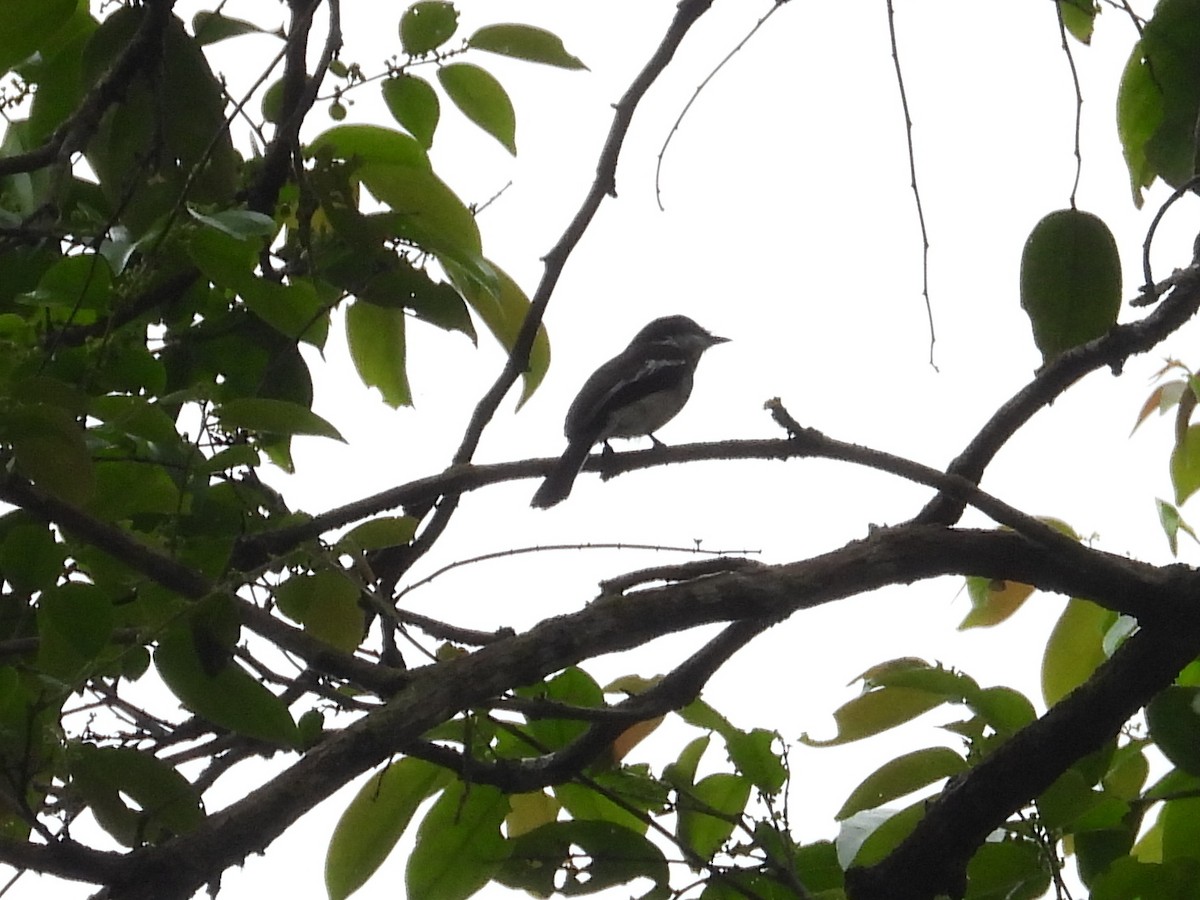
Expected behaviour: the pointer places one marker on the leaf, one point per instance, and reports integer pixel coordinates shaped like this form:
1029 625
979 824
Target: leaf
376 339
1159 95
1070 281
900 776
414 104
167 805
374 821
877 711
1172 523
326 604
28 26
210 27
1008 870
752 753
524 42
868 837
1185 464
50 450
459 846
385 531
708 810
993 601
264 416
426 26
242 224
230 698
543 862
1079 18
1075 648
483 100
1174 720
370 144
30 557
75 622
529 811
503 311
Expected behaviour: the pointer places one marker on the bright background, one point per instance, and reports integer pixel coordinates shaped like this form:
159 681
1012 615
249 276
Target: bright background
790 227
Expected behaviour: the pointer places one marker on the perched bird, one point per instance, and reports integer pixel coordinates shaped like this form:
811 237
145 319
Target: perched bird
635 393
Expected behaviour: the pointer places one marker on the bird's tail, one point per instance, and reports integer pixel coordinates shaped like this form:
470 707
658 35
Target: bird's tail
558 483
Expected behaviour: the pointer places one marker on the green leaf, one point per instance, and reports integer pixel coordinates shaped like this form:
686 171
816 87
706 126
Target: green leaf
210 27
1172 523
326 604
374 821
75 622
1008 870
370 144
242 224
900 776
1159 96
414 104
993 601
126 488
459 846
1075 648
708 812
29 26
868 837
503 311
74 285
585 804
426 26
1178 879
543 862
524 42
264 416
50 450
752 753
30 558
166 804
376 339
1070 280
1079 17
385 531
877 711
230 698
572 686
1185 464
481 99
1174 720
1180 820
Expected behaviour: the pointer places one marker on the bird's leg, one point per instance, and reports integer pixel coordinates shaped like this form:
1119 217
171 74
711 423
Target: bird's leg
607 450
658 445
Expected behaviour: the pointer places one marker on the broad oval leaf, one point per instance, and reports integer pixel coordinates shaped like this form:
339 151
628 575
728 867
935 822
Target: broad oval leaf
374 822
708 811
167 804
503 311
230 698
1070 280
876 711
370 144
543 862
266 416
1075 648
326 604
1174 720
483 100
459 845
1185 464
901 776
993 601
427 25
375 335
28 26
414 104
524 42
50 450
384 531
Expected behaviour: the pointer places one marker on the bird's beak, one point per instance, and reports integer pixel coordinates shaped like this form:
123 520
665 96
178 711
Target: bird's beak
714 339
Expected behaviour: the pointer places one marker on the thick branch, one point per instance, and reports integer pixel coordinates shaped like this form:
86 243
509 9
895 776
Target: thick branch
615 623
933 859
1110 351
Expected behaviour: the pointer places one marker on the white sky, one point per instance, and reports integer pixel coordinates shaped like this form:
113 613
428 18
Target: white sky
790 228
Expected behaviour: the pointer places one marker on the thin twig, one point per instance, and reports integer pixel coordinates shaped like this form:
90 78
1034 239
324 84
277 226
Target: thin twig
912 173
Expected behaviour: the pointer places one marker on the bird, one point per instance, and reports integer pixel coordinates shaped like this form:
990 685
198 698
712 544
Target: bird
633 394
